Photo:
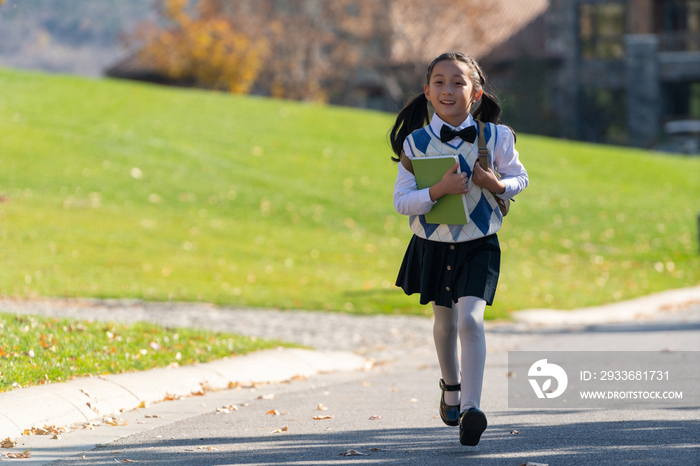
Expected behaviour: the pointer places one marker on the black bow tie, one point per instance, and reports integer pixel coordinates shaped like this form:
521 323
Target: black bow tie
467 134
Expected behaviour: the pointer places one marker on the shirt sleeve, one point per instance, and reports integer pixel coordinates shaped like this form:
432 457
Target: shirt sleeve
408 199
507 161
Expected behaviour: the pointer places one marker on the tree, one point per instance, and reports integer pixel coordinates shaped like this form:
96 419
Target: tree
201 47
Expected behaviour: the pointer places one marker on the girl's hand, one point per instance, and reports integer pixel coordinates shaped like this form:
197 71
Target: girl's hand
487 179
451 183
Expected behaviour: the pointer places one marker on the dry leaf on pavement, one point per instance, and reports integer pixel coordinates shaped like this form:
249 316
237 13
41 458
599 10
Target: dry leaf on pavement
226 409
114 421
206 448
374 416
269 396
24 454
280 430
144 404
321 407
534 464
514 432
378 449
320 418
129 461
8 443
273 411
352 453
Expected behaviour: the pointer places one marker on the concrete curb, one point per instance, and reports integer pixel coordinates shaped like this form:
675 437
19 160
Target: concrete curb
86 399
627 311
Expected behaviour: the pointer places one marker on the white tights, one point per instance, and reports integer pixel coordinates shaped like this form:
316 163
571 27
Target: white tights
466 319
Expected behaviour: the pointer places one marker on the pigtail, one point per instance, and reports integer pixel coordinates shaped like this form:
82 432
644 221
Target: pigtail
488 111
413 116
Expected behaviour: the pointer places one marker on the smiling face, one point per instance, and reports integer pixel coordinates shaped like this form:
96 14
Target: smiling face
451 91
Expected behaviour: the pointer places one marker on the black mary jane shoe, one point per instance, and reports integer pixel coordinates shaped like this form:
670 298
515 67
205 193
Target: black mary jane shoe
449 414
472 423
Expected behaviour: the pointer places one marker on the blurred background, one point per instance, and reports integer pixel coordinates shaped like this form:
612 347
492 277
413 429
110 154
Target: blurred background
619 71
235 152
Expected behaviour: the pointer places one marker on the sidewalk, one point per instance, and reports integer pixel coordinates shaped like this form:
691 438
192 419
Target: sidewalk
90 398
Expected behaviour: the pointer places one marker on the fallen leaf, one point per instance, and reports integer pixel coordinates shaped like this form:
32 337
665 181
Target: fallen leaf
377 449
514 432
199 393
511 375
282 429
374 416
24 454
88 426
129 461
56 437
273 411
534 464
153 416
93 406
114 421
236 385
321 407
144 404
299 377
269 396
206 448
8 443
352 453
320 418
226 409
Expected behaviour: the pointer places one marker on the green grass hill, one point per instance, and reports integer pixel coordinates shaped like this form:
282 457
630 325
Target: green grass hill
119 189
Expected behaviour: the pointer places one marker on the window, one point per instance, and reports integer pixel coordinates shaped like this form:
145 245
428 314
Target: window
601 31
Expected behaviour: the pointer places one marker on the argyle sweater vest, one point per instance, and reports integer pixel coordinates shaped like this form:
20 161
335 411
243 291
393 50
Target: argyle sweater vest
484 216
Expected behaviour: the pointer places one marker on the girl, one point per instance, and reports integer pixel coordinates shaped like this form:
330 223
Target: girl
455 267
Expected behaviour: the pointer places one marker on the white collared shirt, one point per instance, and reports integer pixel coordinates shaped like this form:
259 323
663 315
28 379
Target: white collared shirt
409 200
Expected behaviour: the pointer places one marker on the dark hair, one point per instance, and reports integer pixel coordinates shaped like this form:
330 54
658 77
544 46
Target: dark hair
414 115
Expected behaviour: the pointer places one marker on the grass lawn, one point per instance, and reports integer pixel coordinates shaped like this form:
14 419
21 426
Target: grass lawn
119 189
39 350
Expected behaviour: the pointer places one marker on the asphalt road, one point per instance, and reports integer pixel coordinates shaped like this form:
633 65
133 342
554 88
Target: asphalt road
402 392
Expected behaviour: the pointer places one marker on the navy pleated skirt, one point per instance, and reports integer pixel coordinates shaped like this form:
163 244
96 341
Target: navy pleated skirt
445 272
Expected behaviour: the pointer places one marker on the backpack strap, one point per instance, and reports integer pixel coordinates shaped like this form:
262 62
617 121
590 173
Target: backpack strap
483 150
503 205
406 162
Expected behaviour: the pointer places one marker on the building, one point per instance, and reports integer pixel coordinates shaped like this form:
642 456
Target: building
624 68
612 71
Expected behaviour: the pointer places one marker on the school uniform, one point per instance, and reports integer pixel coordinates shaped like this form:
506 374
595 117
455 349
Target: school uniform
446 262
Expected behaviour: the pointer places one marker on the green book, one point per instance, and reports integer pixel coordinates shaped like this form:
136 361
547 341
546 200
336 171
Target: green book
450 209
